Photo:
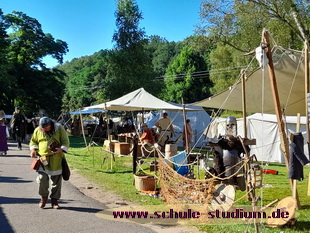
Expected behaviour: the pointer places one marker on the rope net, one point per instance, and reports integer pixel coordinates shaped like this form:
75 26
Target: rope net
177 189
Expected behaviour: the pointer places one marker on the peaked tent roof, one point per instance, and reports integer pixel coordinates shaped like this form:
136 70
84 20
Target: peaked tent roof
289 71
137 100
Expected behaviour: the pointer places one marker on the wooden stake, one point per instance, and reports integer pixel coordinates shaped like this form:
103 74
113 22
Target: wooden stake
244 104
83 132
309 184
276 100
185 130
307 90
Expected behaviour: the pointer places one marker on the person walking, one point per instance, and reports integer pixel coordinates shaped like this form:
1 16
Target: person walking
31 125
4 136
187 135
49 142
18 126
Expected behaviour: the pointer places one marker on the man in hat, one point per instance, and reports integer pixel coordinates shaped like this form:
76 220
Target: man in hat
49 142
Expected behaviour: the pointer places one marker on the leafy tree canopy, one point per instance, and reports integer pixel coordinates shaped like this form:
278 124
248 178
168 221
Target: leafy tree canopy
24 45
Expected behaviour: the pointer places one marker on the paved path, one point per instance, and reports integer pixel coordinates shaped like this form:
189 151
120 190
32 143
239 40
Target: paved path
19 211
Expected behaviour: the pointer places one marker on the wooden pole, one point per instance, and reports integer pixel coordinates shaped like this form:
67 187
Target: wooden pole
185 129
83 132
244 104
307 92
276 101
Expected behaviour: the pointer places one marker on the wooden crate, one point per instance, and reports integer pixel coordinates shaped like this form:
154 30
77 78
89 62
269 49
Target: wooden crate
122 148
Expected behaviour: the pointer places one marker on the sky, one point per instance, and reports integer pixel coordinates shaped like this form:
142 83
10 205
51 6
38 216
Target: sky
88 26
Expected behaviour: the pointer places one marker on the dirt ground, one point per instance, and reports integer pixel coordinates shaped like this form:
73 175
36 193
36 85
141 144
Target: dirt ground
112 201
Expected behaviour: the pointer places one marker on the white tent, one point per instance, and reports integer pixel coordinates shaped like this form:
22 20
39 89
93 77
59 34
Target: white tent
290 76
138 100
263 128
198 117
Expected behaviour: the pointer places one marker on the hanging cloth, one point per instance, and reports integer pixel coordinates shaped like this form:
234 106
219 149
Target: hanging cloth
297 158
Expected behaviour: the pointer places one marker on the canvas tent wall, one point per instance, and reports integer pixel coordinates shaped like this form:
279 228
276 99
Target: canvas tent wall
199 120
263 128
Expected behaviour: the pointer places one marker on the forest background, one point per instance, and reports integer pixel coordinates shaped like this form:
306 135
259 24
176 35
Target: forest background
197 67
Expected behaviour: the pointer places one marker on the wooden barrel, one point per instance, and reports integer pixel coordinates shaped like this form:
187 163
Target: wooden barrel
170 150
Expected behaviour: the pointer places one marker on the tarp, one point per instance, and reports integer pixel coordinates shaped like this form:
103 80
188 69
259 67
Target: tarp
263 128
290 77
86 111
199 120
137 100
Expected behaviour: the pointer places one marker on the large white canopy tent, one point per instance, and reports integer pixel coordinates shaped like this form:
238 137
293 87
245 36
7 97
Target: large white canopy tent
138 100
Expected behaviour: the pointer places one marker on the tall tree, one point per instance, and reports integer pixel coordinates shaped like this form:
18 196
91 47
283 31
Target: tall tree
162 52
6 80
239 24
84 80
187 78
129 64
28 46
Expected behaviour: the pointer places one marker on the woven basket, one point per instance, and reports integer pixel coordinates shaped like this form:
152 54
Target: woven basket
145 183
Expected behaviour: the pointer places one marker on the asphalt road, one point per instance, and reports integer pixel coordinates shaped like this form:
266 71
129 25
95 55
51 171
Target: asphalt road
19 198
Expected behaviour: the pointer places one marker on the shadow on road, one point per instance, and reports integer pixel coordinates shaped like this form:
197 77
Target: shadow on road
5 226
12 179
81 209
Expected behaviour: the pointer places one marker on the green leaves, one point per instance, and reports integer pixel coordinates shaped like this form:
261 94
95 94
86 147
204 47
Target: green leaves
23 45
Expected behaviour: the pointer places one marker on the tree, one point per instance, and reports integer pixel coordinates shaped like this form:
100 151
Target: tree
28 45
6 80
129 64
84 82
236 28
240 23
187 78
162 52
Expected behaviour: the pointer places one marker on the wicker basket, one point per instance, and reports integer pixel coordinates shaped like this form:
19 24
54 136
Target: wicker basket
145 183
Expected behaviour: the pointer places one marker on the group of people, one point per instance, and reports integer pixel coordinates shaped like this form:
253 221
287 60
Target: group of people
20 128
165 128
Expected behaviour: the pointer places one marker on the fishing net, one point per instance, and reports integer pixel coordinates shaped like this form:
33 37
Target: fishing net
177 189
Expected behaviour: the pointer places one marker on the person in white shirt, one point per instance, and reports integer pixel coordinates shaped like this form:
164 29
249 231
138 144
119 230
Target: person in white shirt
165 128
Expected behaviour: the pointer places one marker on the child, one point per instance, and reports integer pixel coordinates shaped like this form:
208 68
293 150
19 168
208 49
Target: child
4 135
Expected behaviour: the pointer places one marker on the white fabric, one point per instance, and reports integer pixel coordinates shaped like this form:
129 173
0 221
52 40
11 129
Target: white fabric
138 100
263 128
199 120
286 64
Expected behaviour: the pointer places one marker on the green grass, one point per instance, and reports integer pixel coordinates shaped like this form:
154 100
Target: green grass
116 175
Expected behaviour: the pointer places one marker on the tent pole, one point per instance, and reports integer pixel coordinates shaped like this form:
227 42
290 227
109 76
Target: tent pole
307 91
276 101
108 135
83 127
185 129
244 104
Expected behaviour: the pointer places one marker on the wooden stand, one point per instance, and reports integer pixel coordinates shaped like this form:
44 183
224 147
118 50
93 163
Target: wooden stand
121 148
